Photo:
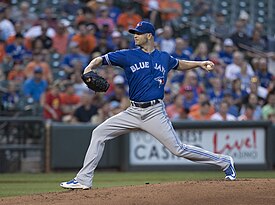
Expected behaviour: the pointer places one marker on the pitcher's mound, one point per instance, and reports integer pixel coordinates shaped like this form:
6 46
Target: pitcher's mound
243 191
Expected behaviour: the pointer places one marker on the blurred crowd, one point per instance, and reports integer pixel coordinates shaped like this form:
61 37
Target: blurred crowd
43 54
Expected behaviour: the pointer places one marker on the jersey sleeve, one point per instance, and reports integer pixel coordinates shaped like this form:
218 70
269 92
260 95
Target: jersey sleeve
117 58
173 63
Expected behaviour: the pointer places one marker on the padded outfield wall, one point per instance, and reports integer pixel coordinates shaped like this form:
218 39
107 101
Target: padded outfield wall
252 144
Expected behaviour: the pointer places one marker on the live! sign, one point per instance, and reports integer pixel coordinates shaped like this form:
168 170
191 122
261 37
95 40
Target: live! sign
245 145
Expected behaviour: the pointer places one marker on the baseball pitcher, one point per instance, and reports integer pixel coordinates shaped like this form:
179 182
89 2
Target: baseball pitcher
146 70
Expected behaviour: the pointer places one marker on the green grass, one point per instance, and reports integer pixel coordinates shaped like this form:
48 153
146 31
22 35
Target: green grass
23 184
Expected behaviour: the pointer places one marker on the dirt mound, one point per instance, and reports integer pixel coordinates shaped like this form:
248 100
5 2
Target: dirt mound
244 191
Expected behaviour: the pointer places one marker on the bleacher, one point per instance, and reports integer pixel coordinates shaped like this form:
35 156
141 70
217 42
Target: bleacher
262 11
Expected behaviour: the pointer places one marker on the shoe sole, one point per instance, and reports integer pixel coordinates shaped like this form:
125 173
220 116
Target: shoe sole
68 187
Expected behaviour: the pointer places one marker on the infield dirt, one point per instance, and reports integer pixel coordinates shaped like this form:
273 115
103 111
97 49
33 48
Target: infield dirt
243 191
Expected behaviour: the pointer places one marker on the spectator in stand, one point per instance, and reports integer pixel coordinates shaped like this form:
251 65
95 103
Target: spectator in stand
183 115
222 114
18 27
257 42
85 15
179 48
244 75
35 86
258 90
17 74
85 40
234 69
248 113
269 108
189 98
216 93
69 102
46 40
252 99
114 11
168 97
244 19
238 93
170 10
2 76
11 98
271 117
103 113
201 8
239 37
167 42
74 54
226 54
103 46
51 103
201 52
6 26
2 51
86 110
129 18
36 29
271 63
39 62
188 49
60 40
25 15
260 28
232 109
220 27
70 7
115 40
173 110
49 15
204 113
17 51
264 76
151 11
191 79
203 97
104 19
119 93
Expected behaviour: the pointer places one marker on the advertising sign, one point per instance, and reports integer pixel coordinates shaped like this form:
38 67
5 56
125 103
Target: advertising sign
245 145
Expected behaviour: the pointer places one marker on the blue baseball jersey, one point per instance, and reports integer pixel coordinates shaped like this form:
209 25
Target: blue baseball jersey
146 72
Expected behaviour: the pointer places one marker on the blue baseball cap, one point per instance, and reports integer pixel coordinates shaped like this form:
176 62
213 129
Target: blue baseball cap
142 28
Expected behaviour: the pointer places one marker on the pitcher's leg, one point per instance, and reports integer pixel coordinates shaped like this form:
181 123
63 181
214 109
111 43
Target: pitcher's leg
111 128
161 128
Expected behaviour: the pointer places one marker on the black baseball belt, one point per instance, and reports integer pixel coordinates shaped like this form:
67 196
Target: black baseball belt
145 104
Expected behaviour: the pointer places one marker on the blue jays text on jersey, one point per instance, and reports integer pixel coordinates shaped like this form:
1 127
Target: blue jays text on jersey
146 72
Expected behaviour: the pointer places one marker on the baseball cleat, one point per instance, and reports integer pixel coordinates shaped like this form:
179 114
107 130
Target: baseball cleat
230 172
73 184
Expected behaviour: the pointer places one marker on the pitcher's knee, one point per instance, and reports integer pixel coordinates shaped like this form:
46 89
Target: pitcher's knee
178 151
97 132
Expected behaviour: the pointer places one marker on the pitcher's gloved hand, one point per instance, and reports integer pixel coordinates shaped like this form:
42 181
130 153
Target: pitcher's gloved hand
95 82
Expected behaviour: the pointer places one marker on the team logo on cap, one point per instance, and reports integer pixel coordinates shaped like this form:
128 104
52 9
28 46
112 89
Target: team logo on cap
139 24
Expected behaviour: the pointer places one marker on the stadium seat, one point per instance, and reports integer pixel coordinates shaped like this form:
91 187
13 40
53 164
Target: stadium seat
34 2
14 2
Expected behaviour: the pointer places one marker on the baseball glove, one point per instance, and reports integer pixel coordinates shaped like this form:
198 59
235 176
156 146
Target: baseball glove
95 82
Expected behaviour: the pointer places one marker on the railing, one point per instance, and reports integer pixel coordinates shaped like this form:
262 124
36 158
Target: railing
21 144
